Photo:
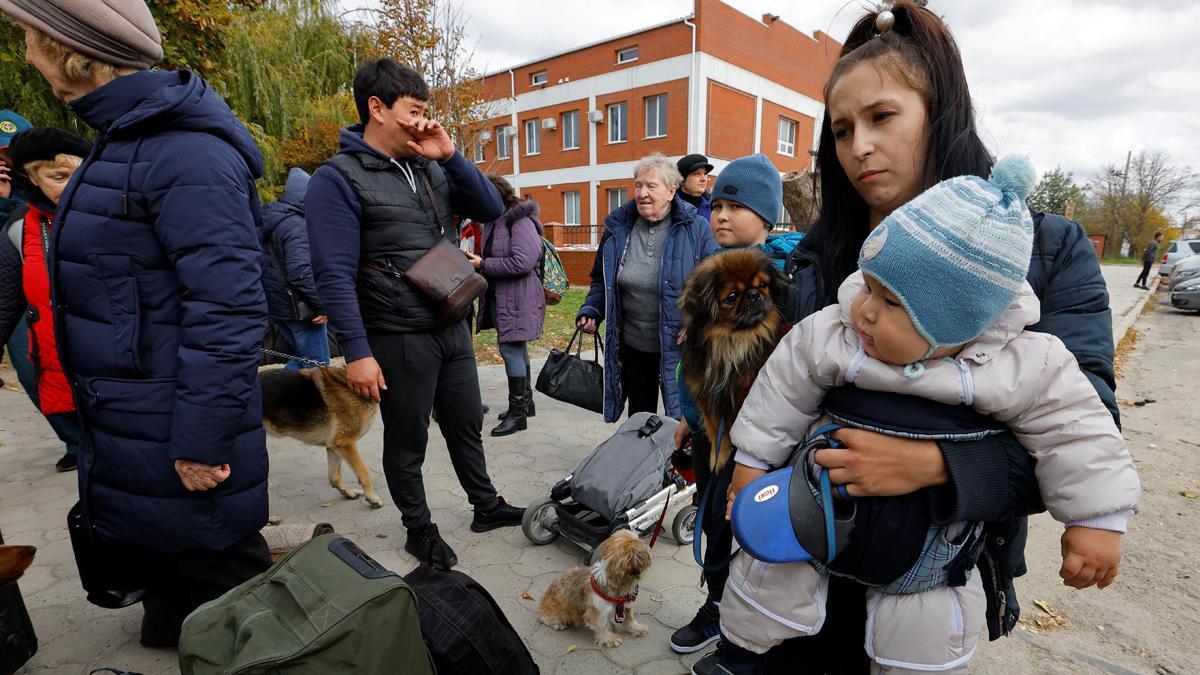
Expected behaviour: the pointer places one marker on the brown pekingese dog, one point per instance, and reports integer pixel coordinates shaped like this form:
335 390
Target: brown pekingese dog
599 597
732 320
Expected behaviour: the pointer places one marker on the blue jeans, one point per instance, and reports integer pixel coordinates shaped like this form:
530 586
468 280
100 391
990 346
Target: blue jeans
66 425
516 358
308 340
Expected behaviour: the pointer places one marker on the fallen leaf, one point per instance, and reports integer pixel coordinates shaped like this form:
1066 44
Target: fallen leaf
1045 607
381 535
570 649
274 520
326 505
526 596
1189 495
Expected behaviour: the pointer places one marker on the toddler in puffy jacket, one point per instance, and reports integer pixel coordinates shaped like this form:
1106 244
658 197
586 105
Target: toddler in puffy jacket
938 310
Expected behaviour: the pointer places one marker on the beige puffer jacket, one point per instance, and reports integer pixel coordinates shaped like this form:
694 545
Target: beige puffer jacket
1027 380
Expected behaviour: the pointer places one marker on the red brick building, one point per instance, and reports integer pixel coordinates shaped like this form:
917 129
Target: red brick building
567 129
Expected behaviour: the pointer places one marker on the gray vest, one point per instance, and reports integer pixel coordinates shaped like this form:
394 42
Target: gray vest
397 227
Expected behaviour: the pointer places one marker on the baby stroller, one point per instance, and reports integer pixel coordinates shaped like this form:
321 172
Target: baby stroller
626 483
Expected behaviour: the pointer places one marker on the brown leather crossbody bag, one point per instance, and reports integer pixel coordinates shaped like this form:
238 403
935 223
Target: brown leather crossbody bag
444 273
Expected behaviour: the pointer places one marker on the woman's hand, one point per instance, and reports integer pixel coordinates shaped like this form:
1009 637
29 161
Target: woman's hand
197 477
476 261
742 475
875 465
587 323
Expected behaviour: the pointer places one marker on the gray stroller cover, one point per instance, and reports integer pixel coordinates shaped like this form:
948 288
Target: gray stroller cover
626 469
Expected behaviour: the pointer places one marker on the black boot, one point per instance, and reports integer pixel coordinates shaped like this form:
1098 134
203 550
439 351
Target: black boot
514 421
530 411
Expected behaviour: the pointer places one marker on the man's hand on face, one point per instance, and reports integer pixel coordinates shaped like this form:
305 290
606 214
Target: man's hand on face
429 138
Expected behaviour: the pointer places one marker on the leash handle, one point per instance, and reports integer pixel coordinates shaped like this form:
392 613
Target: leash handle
301 359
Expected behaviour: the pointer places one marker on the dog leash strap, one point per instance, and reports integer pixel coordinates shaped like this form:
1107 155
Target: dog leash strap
301 359
658 526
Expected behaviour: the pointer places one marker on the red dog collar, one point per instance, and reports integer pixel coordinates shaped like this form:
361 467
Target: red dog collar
619 616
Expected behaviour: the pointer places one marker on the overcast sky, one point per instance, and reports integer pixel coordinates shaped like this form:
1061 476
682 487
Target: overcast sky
1069 83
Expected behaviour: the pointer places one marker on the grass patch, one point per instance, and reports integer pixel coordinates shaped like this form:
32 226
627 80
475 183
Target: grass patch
1118 260
556 332
1126 346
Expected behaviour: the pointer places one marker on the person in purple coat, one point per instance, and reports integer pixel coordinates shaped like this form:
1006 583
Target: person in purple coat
515 302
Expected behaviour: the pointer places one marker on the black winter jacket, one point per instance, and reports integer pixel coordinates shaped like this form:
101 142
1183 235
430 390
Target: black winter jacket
285 242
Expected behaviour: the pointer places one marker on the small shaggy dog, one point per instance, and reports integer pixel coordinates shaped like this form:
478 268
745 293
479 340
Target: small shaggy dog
731 322
598 597
316 406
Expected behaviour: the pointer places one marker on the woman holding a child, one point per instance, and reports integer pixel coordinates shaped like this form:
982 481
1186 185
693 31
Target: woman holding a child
899 121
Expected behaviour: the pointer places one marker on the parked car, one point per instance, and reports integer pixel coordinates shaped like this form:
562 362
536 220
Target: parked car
1178 250
1186 294
1184 270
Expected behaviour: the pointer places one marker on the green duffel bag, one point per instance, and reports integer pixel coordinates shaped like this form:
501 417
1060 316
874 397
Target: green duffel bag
327 607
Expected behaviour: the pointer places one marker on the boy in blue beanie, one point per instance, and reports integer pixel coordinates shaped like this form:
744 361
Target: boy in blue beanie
938 310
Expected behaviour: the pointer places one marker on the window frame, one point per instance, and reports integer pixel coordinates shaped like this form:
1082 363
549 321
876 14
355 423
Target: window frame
624 121
780 142
622 59
660 115
578 210
622 194
503 143
534 81
478 152
573 115
533 143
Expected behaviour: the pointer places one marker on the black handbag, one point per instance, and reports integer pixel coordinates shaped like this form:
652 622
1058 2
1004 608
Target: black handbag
569 378
115 575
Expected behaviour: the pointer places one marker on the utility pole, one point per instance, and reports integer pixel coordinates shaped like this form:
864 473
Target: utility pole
1121 205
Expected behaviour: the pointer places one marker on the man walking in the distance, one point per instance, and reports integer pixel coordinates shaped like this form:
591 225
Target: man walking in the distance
1148 258
373 210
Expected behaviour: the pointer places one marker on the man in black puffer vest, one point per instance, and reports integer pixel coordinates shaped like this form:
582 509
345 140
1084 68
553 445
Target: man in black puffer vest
373 210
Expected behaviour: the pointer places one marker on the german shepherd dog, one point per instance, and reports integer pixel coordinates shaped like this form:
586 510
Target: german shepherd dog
314 405
732 320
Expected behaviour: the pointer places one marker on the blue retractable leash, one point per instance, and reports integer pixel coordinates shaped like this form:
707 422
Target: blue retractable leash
822 436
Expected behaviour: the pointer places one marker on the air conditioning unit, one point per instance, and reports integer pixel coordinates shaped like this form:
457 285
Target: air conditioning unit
550 123
596 116
485 136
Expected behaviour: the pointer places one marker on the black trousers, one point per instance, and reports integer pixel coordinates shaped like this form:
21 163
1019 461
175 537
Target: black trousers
1145 275
423 371
718 533
184 581
639 379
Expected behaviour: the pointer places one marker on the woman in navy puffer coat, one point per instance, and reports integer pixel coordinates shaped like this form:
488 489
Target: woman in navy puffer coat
160 311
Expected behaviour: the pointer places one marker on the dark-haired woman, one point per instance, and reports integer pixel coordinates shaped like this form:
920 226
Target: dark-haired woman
515 303
899 119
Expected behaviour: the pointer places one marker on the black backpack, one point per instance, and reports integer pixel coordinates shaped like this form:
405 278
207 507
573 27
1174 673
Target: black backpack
465 630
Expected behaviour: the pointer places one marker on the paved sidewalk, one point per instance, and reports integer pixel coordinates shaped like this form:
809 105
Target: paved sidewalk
75 636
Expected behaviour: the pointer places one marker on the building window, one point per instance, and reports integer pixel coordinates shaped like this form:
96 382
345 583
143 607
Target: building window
656 116
571 208
618 122
533 141
570 130
478 151
787 137
626 55
538 78
617 197
503 148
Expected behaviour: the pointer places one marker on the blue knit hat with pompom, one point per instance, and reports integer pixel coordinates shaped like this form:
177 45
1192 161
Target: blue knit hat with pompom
956 256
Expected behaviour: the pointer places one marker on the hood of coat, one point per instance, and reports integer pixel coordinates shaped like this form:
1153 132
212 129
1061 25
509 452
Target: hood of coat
1025 310
524 209
156 101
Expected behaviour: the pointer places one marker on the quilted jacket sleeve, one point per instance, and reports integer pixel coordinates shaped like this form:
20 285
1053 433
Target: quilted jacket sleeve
293 236
201 201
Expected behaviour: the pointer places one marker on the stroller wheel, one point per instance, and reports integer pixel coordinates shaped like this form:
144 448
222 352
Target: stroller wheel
539 523
592 556
683 528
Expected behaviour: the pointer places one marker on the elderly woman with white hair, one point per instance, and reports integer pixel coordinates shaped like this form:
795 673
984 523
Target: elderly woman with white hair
650 246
